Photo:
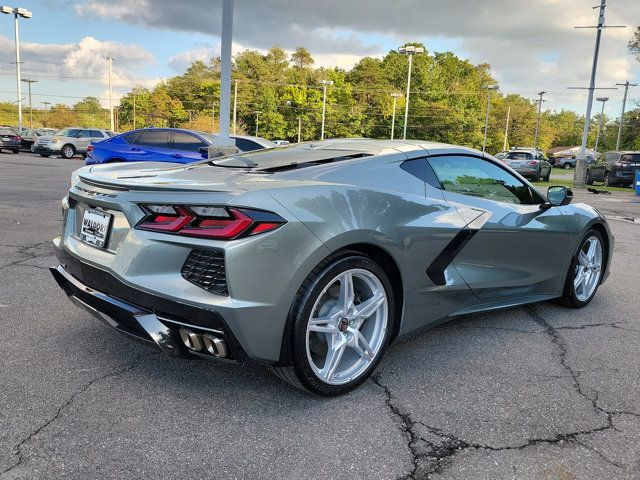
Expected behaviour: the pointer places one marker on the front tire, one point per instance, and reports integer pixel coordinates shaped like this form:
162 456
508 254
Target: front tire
16 151
567 166
607 180
589 180
585 271
341 321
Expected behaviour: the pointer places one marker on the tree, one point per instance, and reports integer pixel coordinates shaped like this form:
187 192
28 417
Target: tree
88 105
634 44
302 58
60 116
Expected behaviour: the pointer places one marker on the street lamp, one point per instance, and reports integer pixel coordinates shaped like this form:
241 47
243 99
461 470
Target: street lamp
489 89
603 100
24 13
257 112
324 103
535 136
393 115
30 81
411 51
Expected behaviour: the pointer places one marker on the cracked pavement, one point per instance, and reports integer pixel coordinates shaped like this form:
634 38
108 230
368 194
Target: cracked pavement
535 392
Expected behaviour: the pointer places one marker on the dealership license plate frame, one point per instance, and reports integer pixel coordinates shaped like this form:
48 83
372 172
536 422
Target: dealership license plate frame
89 234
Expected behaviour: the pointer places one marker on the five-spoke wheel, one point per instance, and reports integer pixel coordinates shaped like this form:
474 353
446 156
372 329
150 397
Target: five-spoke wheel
586 270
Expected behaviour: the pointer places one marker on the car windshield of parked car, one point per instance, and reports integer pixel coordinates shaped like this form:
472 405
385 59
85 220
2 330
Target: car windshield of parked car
479 178
519 156
67 132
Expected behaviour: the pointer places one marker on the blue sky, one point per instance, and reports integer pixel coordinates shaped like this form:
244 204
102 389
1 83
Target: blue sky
530 48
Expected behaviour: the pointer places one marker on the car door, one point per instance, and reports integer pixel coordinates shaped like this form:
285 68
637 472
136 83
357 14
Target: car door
186 147
83 138
151 145
516 248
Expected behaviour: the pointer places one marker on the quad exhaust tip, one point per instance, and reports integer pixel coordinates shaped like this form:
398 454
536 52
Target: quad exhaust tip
198 342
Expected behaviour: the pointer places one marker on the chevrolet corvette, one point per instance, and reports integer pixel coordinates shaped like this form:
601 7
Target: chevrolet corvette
312 259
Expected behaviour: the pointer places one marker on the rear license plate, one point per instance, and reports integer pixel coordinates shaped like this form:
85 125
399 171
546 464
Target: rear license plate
6 138
95 227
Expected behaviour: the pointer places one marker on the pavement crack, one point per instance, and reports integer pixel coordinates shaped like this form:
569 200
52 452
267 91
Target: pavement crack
17 449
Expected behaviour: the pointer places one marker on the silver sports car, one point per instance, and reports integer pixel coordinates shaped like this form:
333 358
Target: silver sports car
311 259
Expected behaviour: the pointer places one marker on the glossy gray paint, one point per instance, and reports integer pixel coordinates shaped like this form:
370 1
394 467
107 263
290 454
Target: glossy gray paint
519 254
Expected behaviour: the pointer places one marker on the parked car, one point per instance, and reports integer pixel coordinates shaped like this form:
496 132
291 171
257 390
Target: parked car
9 140
164 145
281 143
69 141
529 163
614 168
30 135
313 258
501 155
566 163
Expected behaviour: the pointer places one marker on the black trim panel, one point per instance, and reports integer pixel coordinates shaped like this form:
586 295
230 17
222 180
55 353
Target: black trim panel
436 269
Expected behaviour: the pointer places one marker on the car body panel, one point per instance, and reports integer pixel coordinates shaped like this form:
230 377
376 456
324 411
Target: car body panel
518 254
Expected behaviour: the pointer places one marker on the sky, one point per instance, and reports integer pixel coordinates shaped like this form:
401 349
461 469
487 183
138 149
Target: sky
531 45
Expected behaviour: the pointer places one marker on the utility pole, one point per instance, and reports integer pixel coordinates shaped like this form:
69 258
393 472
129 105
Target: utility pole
30 81
134 108
324 103
111 120
539 101
299 128
213 115
235 104
603 100
624 101
506 130
257 112
489 89
393 115
581 168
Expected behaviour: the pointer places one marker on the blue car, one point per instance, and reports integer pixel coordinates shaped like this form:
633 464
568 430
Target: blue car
163 145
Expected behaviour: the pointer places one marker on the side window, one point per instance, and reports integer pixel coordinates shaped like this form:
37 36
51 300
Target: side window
186 141
84 134
96 134
154 138
421 169
246 145
477 177
129 137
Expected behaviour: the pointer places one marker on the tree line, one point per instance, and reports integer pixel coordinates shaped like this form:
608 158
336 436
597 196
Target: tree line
282 94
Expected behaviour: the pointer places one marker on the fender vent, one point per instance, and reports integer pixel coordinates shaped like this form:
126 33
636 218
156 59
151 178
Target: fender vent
205 268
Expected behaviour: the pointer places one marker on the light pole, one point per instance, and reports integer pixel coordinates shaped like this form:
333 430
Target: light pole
110 61
393 115
506 130
24 13
324 103
235 104
603 100
411 51
539 101
624 101
30 81
580 171
299 128
257 112
489 89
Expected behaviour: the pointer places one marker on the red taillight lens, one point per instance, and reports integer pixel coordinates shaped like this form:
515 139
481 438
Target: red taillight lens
532 163
208 222
90 148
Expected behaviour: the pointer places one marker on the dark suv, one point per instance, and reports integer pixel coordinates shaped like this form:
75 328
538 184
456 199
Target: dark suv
615 168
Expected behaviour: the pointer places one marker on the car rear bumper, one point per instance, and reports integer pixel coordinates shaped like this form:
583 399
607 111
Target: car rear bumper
527 172
10 145
140 315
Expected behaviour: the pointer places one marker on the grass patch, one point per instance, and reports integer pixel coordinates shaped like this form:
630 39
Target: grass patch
569 183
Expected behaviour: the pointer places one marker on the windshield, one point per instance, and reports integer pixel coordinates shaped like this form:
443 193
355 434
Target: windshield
519 156
630 157
67 132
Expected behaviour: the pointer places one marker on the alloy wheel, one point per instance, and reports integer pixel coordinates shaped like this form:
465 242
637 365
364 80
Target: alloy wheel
588 268
347 327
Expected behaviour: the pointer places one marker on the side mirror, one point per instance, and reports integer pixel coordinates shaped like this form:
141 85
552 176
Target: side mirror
558 196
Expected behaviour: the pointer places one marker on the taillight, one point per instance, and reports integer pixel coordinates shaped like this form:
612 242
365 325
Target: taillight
532 162
221 223
90 148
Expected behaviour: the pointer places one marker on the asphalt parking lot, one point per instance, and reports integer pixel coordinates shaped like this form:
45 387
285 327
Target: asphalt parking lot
534 392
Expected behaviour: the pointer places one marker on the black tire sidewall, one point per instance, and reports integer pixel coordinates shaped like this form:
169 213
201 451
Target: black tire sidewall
570 294
302 312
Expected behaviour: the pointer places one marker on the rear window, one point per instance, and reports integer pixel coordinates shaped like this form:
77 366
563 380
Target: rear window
6 131
519 156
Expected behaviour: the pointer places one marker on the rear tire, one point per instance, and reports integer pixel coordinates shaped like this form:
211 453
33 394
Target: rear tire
607 180
536 177
333 349
16 151
67 151
548 176
567 166
585 271
589 180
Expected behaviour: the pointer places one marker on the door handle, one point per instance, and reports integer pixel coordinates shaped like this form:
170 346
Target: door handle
176 155
134 149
